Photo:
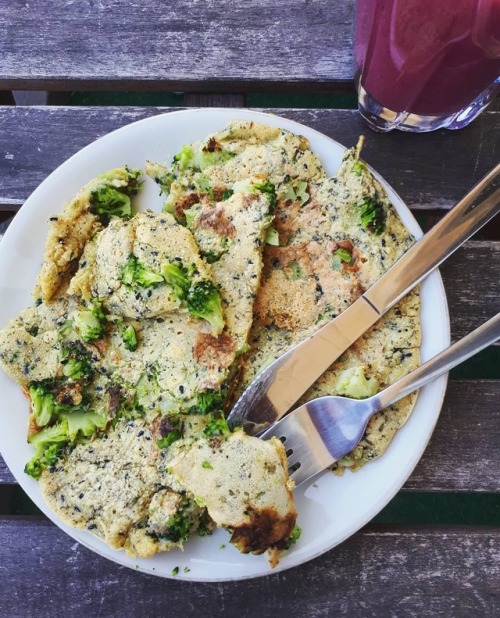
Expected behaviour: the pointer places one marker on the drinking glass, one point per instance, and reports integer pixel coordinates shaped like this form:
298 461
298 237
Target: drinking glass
426 64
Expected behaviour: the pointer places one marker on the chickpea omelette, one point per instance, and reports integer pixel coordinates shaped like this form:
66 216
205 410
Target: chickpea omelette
147 326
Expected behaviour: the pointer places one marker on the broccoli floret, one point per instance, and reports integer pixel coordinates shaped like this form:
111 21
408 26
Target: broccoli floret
294 537
208 401
48 443
293 271
189 158
344 255
270 190
108 202
76 361
43 404
179 526
47 458
56 433
84 424
134 274
184 158
296 193
90 322
207 158
169 439
176 275
216 427
358 167
204 301
272 237
372 215
129 338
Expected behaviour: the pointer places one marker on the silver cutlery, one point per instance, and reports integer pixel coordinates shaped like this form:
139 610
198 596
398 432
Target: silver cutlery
281 384
324 430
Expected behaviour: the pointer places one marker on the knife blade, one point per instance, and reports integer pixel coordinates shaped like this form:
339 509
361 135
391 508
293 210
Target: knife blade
277 387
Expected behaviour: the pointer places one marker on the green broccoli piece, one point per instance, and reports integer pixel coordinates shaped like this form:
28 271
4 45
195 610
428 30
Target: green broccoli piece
206 158
48 443
179 526
43 405
76 361
294 537
176 275
129 338
297 193
372 215
217 427
45 459
204 301
134 274
184 159
199 159
51 440
90 322
358 167
84 424
270 190
272 237
208 401
293 271
169 439
344 255
109 202
54 434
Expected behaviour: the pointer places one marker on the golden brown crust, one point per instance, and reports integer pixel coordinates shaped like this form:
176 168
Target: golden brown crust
213 351
216 219
265 529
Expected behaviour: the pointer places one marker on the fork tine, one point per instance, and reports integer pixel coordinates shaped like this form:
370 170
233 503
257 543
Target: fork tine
300 436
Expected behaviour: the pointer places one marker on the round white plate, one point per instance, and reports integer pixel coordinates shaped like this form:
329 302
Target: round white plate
330 510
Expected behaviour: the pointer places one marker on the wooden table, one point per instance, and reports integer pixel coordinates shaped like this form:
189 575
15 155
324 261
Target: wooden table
219 53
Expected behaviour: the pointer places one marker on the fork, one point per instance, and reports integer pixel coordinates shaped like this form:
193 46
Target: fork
322 431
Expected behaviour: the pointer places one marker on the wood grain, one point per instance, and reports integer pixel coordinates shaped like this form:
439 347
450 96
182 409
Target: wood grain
472 282
381 571
430 172
191 45
464 452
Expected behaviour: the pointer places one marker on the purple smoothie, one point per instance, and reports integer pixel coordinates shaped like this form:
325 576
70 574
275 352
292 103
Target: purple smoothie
427 57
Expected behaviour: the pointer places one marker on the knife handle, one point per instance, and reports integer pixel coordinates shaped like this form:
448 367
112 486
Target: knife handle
480 205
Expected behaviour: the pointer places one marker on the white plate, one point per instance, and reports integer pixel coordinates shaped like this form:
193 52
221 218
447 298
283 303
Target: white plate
334 507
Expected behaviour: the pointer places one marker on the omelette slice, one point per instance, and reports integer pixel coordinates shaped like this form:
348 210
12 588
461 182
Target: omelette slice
331 249
243 482
102 199
142 268
231 234
115 487
244 150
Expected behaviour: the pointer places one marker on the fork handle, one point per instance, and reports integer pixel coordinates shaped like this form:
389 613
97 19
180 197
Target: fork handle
460 351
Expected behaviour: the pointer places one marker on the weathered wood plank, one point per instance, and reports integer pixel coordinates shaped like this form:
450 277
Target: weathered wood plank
464 452
214 45
472 281
381 571
431 171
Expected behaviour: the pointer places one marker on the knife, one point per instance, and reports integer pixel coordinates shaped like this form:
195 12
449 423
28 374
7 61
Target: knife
277 387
